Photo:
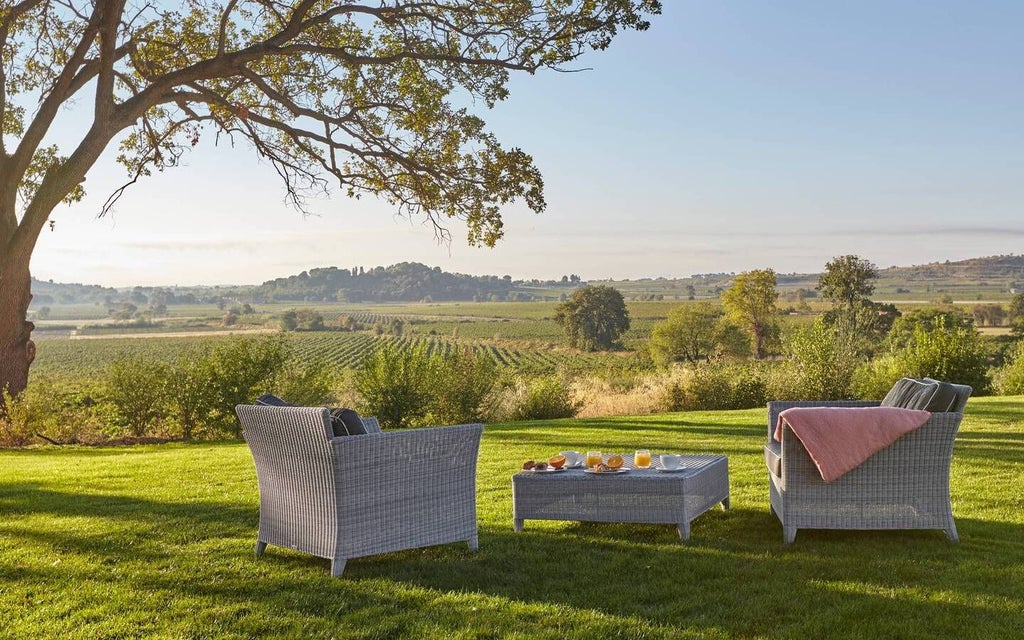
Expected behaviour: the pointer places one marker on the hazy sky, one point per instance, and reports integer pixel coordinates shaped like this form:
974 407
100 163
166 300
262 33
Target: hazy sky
731 136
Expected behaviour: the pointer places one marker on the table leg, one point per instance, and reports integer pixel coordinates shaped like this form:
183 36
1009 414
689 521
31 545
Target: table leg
725 504
517 525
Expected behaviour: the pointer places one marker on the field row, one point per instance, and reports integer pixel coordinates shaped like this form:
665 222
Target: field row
61 357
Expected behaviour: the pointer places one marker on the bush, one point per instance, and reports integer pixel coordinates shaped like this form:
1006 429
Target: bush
242 369
821 363
137 387
715 386
191 393
461 382
394 385
56 411
946 350
543 398
872 380
1009 380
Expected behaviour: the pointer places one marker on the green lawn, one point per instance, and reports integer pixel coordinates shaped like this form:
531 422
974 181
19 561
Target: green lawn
156 541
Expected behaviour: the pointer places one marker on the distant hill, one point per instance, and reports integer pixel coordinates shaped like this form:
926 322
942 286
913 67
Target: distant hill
994 277
1008 269
403 282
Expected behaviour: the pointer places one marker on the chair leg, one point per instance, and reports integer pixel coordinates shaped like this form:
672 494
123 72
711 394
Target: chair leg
788 534
951 533
474 543
260 547
337 567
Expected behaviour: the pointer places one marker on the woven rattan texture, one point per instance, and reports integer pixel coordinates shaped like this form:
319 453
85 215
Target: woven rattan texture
353 496
904 486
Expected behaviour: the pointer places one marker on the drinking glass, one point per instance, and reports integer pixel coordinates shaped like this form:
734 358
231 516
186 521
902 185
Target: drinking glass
642 459
593 457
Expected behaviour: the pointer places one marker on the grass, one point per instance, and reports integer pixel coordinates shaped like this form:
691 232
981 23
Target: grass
156 541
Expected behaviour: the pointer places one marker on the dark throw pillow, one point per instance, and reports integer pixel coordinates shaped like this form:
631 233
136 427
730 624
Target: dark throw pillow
944 399
270 400
909 393
346 422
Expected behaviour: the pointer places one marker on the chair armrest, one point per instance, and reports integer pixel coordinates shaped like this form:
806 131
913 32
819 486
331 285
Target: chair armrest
775 407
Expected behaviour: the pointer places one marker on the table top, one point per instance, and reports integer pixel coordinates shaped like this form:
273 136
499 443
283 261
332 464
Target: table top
689 464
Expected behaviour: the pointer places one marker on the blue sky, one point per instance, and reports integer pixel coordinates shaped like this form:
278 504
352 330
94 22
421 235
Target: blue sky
731 136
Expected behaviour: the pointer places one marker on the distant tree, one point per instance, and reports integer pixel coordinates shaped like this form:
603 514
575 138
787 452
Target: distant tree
751 303
991 315
847 281
928 320
594 317
396 326
1016 306
289 320
689 334
124 311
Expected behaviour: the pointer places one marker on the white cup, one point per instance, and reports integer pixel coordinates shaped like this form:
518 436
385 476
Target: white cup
572 458
669 461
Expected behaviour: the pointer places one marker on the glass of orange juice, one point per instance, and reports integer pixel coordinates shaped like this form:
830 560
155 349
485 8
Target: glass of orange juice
593 457
642 459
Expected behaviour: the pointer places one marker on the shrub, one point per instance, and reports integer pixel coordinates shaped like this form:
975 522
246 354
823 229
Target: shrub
872 380
394 385
543 398
137 387
55 411
242 369
946 350
461 383
191 393
708 388
1009 380
821 362
309 384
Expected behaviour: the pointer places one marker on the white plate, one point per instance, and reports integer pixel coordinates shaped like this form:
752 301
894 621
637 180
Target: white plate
601 473
676 470
548 470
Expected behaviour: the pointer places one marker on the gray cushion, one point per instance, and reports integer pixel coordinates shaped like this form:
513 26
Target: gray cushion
270 400
944 399
963 392
899 393
909 393
346 422
773 458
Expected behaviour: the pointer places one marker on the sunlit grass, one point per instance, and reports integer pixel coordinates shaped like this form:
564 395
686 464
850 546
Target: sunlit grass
156 541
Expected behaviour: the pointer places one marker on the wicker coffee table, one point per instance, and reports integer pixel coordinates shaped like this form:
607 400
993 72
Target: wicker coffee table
640 495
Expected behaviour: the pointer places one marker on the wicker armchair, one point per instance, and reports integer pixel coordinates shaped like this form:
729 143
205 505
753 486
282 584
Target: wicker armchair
904 486
354 496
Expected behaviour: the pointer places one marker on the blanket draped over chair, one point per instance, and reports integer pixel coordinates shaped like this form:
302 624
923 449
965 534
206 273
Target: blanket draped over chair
840 439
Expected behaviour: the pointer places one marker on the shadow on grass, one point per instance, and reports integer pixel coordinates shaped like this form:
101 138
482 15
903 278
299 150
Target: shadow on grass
733 576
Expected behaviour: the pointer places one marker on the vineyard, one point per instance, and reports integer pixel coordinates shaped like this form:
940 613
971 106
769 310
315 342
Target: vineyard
336 350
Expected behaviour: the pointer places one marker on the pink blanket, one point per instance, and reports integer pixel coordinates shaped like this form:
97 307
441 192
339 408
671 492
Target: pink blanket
842 438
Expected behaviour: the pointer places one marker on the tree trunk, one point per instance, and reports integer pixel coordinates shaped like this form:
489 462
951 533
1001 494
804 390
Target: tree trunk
16 347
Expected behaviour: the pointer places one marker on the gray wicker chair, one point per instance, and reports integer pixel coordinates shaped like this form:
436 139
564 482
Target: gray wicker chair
904 486
355 496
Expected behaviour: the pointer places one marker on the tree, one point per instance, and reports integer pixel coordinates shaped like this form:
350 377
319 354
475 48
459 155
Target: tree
366 95
750 302
847 282
691 333
593 317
